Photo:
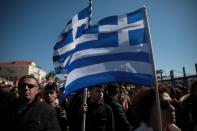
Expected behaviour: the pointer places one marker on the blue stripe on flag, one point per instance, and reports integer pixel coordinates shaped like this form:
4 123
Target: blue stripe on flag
93 30
129 56
105 40
84 13
135 16
107 77
137 36
58 70
68 38
111 20
107 37
61 58
80 30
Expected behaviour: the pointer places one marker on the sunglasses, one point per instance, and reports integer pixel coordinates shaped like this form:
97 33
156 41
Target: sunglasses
29 86
165 105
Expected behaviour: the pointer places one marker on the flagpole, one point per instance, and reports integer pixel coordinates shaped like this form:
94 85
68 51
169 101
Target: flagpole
155 84
85 90
84 113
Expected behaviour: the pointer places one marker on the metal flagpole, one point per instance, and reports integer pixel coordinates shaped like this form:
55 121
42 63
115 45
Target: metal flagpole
155 84
85 91
84 114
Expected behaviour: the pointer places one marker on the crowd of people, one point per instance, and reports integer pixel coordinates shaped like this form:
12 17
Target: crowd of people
29 106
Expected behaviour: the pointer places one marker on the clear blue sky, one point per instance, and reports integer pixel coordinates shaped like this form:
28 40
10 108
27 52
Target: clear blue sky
29 28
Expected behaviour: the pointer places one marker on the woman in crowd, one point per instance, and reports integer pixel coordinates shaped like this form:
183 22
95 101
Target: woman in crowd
147 111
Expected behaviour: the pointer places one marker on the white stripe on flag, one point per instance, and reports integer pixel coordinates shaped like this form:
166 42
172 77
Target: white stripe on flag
76 23
124 66
72 45
114 28
110 50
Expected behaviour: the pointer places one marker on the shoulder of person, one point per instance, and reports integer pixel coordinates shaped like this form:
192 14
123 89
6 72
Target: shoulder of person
60 109
108 107
43 106
185 101
184 98
143 127
173 127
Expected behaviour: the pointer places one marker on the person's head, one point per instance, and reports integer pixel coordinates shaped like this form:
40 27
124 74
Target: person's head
61 90
167 109
28 88
122 89
96 94
14 91
50 94
113 89
146 107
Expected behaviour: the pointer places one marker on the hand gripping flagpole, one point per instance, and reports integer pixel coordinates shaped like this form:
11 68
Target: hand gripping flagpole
155 84
85 91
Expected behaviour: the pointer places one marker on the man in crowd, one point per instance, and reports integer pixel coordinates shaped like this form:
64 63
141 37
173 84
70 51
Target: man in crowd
99 115
187 113
120 119
50 97
28 114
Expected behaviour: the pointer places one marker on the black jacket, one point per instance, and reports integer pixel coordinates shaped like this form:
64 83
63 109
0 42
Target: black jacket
38 116
62 117
74 118
99 118
120 119
187 114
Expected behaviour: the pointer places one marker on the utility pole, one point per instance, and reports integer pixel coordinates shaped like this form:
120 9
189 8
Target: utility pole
172 78
185 78
160 72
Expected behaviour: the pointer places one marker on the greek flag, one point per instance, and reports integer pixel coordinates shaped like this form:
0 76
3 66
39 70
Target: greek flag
68 40
61 85
114 50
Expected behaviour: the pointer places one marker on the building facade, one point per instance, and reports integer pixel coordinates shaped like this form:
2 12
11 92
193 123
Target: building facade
14 70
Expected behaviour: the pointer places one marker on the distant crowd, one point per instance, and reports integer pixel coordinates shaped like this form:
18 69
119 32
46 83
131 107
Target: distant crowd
31 106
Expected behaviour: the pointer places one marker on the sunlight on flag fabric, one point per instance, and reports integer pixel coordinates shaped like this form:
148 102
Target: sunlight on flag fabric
68 40
114 50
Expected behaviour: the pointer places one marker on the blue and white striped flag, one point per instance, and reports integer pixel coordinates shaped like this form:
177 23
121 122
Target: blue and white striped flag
68 40
114 50
61 85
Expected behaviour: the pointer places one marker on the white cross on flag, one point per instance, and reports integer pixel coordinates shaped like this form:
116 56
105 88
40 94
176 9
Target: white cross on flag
68 40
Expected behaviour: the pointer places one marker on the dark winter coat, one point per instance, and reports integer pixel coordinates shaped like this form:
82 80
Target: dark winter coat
99 118
38 116
120 119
